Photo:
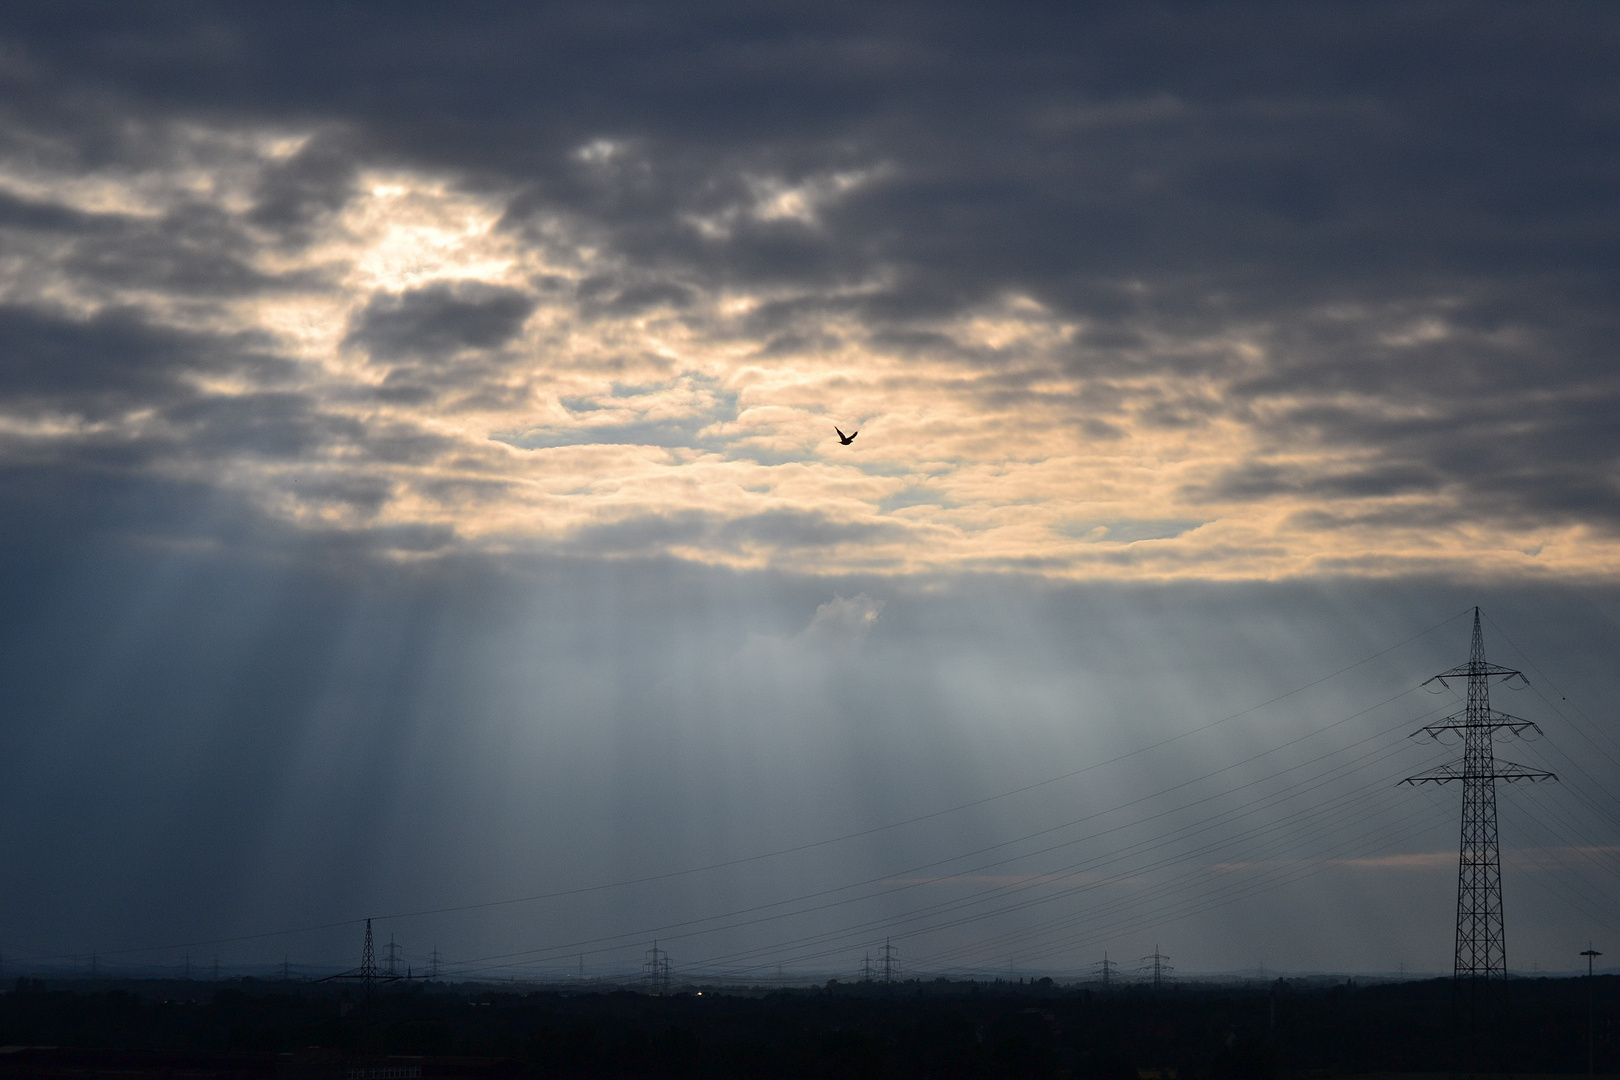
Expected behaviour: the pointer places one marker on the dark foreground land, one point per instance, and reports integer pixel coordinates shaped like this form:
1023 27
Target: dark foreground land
928 1029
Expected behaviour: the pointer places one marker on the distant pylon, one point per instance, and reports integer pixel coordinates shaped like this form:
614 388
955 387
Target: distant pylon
866 968
393 956
656 971
1481 956
368 961
433 964
888 961
1156 970
1107 968
366 974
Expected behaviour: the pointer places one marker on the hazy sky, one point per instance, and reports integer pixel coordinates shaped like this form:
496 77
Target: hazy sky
418 484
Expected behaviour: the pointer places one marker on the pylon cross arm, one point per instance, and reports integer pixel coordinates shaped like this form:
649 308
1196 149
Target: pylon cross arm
1497 722
1462 671
1444 776
1513 773
1510 772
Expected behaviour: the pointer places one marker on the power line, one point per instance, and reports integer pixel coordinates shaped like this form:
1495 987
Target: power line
1255 804
990 894
1259 802
794 849
1276 879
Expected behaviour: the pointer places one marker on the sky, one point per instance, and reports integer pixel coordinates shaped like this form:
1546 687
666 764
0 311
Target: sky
420 496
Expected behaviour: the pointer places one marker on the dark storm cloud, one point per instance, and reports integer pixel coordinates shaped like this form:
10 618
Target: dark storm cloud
100 500
141 383
437 321
1311 177
36 214
1053 143
315 182
193 250
270 425
604 295
112 361
1522 426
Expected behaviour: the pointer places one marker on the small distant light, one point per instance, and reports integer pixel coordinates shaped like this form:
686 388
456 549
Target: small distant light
700 993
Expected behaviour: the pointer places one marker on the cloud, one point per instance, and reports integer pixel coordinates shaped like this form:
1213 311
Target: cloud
437 321
683 412
781 532
295 193
1164 270
1129 532
844 618
116 358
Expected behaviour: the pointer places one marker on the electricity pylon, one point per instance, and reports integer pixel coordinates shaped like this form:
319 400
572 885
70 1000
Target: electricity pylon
368 959
366 974
393 956
888 962
1107 968
656 971
1481 957
1155 968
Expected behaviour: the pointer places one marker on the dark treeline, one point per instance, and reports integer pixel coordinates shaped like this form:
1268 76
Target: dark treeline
912 1029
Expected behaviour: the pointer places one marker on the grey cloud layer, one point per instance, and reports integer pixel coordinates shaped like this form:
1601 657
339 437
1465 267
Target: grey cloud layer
1320 181
439 320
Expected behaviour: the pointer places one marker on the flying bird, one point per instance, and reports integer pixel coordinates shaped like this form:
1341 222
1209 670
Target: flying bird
845 440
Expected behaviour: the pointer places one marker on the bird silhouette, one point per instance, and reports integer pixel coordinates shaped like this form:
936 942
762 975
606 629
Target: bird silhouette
845 440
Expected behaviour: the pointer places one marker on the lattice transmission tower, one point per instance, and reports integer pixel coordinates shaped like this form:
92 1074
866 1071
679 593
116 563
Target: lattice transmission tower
1481 956
1156 970
656 971
366 974
367 970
